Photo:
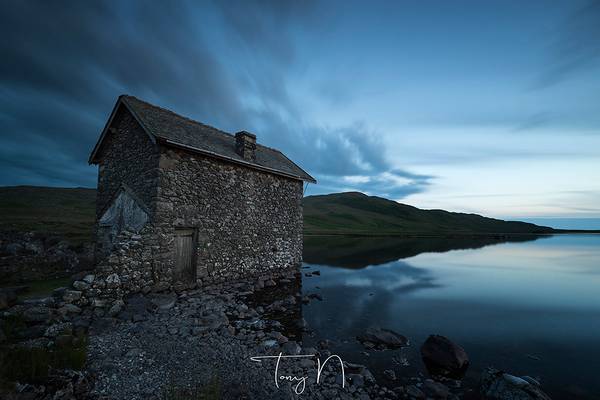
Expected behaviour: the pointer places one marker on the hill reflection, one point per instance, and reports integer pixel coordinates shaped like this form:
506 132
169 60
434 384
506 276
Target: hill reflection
356 252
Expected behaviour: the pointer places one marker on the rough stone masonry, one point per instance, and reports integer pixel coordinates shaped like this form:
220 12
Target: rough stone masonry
182 204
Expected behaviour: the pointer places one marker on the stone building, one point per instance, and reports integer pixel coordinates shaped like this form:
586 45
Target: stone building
180 202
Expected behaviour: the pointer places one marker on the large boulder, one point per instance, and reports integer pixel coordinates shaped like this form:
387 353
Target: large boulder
498 385
382 338
444 357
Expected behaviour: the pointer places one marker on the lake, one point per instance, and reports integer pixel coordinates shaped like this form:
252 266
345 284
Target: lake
529 307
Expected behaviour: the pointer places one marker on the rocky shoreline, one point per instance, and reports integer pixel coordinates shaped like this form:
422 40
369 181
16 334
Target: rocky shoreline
198 343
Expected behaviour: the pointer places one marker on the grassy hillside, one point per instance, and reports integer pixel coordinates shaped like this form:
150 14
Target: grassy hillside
68 212
357 213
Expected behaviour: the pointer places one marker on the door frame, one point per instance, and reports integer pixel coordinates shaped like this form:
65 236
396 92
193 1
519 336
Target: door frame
184 231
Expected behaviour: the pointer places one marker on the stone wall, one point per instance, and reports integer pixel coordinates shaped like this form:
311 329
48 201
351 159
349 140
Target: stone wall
129 157
247 222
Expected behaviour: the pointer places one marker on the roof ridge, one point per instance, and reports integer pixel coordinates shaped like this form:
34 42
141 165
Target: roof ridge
196 122
179 115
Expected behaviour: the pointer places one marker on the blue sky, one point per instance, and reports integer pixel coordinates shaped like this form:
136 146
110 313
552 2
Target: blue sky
486 107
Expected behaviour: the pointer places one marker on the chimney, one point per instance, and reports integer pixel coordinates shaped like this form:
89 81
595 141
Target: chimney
245 145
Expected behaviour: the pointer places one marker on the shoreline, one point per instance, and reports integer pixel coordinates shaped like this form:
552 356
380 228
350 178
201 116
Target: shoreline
451 235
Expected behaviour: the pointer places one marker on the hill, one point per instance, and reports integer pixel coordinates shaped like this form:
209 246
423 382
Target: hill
67 212
70 213
357 213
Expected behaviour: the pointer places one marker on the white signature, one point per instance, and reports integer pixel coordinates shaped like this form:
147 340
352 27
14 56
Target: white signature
301 380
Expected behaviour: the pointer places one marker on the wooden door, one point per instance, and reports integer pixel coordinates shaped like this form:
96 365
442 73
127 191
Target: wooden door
185 268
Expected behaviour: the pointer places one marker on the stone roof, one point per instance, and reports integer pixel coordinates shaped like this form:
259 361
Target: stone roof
170 128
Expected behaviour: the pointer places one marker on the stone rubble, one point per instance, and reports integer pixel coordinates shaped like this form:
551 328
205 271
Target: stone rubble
148 345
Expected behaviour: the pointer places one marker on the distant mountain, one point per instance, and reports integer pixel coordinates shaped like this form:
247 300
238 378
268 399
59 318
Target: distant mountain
357 213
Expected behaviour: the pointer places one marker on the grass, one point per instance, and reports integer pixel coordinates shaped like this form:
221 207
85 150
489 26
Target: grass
32 364
43 288
359 214
67 212
11 324
211 391
29 364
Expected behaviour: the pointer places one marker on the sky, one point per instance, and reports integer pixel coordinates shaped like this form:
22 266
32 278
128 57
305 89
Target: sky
486 107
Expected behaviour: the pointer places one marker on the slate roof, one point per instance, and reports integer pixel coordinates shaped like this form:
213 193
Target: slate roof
169 128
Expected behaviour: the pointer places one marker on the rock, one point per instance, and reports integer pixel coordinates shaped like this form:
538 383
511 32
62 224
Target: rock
133 353
531 380
383 338
81 285
359 369
414 392
99 303
390 374
58 293
435 389
200 330
81 325
356 380
71 296
37 314
89 278
8 298
57 329
498 385
44 301
115 309
443 357
140 318
291 348
302 324
164 301
315 296
317 272
307 363
325 344
269 343
69 309
113 281
160 286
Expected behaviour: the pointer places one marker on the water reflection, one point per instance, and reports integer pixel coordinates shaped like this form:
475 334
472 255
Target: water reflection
528 306
358 252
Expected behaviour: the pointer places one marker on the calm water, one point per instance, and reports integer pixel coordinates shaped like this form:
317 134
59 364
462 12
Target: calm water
530 307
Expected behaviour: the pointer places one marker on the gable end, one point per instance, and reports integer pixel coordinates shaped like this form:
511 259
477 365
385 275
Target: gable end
108 129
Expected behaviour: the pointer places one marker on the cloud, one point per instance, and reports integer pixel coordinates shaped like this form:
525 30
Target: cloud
576 46
228 64
393 184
